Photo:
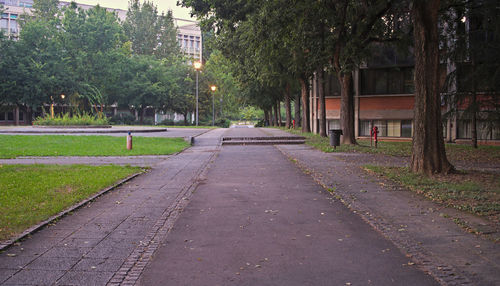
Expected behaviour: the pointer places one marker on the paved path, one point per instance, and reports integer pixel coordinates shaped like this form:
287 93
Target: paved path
259 220
111 235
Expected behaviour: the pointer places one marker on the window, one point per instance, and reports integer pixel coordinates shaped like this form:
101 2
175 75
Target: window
409 80
406 129
10 116
2 116
381 126
13 26
4 24
364 128
394 128
13 16
387 81
21 116
463 129
386 128
334 124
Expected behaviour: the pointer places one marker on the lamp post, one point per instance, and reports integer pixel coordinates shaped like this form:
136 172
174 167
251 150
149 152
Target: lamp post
213 88
197 67
62 107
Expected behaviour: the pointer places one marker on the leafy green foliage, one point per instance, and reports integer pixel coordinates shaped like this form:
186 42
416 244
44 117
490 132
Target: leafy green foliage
33 193
62 145
77 119
94 60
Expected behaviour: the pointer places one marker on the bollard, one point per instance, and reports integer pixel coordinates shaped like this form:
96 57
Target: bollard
129 141
374 133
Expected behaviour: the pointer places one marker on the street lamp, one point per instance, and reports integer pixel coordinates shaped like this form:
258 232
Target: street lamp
62 107
213 88
197 67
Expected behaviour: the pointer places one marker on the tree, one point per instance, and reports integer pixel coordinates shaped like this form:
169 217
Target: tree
428 153
150 33
474 64
92 44
45 9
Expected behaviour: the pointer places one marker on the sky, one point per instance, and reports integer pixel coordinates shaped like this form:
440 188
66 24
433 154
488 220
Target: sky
163 5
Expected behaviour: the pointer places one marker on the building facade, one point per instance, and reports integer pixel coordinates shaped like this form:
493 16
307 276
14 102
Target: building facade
384 97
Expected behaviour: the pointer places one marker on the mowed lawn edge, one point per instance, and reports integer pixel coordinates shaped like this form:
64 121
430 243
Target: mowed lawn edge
30 194
13 146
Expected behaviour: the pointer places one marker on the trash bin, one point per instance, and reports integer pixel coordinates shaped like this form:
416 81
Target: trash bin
335 136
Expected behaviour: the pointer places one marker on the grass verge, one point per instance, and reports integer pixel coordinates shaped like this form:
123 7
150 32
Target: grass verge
12 146
475 192
30 194
454 152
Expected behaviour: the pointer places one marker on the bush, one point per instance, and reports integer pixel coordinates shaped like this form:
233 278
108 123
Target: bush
123 119
169 122
146 121
261 123
76 119
223 122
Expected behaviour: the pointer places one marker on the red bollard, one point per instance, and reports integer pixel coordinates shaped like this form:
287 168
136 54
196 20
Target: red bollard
293 121
374 133
129 141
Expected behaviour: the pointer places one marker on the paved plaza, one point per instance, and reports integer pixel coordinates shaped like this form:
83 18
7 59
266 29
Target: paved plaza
250 215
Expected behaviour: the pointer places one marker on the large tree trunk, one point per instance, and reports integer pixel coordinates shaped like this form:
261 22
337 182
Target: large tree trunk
474 104
297 111
275 107
278 107
288 108
346 108
29 116
428 153
266 117
322 109
305 105
143 113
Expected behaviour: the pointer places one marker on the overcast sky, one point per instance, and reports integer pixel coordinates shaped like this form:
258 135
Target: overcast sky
163 5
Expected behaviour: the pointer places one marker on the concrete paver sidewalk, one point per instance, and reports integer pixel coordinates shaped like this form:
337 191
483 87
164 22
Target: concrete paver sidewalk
259 220
95 244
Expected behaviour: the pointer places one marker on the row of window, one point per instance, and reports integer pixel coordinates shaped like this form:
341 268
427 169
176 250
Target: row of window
21 3
486 130
387 81
387 128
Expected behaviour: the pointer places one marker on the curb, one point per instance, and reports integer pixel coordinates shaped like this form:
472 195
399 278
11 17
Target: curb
6 244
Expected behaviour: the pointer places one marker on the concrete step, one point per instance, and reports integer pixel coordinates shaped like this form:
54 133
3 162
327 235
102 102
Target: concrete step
264 138
262 142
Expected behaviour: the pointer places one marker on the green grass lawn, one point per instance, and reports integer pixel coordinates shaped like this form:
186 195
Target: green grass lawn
454 152
12 146
30 194
471 191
